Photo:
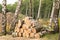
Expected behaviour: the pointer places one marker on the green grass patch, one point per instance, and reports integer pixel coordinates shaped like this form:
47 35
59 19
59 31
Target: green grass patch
59 22
51 36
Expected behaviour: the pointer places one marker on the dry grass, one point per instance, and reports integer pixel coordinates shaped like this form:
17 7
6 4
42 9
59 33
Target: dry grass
47 37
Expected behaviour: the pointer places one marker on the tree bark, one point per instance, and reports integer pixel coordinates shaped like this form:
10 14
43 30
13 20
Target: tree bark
15 19
26 9
52 13
56 14
38 15
31 8
4 17
59 28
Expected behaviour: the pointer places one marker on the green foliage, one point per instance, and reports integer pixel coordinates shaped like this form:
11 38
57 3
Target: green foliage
21 16
59 22
46 6
0 8
11 7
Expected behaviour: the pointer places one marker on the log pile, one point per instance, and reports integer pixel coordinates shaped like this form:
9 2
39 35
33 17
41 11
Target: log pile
27 28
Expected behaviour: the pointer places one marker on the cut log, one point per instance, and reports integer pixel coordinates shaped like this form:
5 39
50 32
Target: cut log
37 35
33 23
27 30
21 30
27 21
31 26
25 26
33 30
17 29
19 34
25 35
31 35
19 23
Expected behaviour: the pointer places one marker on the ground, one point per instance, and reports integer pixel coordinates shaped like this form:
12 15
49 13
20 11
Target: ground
46 37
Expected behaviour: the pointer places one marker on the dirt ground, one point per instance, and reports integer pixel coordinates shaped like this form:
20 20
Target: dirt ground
15 38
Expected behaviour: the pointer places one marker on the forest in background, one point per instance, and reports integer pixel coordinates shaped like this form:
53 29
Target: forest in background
46 7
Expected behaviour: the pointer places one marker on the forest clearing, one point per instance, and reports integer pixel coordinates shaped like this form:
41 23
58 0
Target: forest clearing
30 20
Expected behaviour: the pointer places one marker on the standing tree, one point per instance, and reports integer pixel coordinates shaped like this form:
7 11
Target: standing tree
15 19
38 15
0 8
26 9
31 8
4 17
54 15
59 23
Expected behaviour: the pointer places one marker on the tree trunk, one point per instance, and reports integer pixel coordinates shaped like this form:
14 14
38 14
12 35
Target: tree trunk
26 9
15 19
31 8
59 13
59 22
56 14
52 13
4 17
38 15
49 13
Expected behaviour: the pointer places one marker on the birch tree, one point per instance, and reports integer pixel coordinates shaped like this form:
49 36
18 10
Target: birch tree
59 22
26 9
54 15
31 8
15 19
38 15
4 17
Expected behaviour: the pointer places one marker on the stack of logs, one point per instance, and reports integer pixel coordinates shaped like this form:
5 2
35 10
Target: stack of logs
27 28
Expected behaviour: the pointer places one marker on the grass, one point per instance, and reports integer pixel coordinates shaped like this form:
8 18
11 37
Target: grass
46 37
59 22
51 37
